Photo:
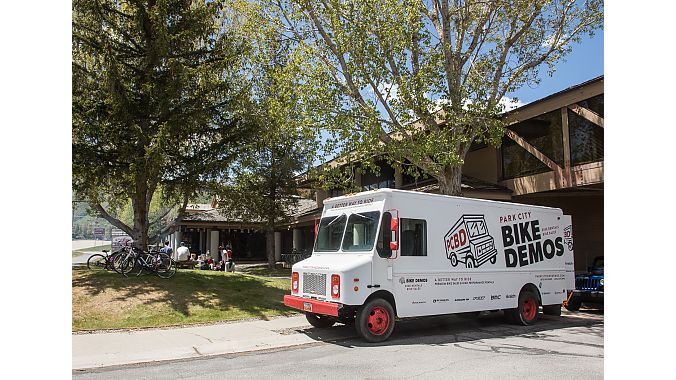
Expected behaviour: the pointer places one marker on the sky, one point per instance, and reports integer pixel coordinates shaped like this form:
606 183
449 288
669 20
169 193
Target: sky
585 62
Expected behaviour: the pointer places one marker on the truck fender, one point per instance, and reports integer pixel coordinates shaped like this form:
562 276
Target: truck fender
534 288
386 295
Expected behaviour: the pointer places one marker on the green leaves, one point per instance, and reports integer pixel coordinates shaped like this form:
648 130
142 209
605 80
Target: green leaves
419 81
157 100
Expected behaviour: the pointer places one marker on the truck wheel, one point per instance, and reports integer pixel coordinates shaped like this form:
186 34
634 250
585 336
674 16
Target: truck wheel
469 262
552 310
375 320
573 304
527 313
319 321
454 259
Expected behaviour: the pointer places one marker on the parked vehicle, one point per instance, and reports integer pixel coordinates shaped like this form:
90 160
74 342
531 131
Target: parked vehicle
387 254
588 286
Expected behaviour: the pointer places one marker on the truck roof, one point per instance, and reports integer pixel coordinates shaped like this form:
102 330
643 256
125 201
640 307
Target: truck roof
418 194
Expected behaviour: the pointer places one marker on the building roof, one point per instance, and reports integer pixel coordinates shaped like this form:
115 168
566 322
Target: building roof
302 207
467 183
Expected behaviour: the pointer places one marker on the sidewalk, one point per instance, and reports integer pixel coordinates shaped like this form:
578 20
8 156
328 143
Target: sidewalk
128 347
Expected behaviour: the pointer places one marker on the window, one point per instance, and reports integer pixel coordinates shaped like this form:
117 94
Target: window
330 233
544 133
586 138
413 241
361 231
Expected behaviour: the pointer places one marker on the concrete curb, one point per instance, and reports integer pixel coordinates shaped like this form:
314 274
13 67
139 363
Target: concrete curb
98 350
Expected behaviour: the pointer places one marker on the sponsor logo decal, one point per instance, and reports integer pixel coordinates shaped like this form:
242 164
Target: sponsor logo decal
440 300
418 302
568 237
479 298
510 296
495 297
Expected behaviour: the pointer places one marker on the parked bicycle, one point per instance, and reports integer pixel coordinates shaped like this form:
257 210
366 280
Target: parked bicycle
100 262
160 264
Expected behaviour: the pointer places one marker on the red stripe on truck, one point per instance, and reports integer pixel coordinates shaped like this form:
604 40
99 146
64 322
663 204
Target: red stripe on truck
318 307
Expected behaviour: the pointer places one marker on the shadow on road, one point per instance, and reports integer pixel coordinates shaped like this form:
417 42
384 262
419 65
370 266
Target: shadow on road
452 329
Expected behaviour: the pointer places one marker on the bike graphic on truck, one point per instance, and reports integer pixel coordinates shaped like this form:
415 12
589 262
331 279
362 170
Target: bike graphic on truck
469 242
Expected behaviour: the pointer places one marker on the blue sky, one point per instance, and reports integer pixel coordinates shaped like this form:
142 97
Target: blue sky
582 64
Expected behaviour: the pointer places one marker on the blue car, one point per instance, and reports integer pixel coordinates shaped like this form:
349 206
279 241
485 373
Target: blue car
588 286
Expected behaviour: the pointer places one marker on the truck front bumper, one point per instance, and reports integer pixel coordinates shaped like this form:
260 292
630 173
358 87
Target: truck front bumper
312 306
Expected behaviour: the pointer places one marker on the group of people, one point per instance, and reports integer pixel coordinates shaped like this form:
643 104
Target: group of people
204 261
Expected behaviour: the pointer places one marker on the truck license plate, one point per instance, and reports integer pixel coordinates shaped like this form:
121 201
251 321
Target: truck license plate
307 306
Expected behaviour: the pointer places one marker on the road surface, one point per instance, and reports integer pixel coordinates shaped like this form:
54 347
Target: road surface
569 347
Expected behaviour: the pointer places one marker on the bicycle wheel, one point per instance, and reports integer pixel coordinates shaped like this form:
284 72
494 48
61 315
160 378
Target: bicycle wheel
97 262
123 263
165 266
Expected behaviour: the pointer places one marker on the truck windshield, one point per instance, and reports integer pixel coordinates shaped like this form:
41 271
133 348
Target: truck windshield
361 231
330 233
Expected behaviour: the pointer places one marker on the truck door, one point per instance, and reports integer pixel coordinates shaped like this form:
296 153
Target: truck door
387 250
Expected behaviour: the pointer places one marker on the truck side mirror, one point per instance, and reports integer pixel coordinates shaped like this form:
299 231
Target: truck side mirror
384 246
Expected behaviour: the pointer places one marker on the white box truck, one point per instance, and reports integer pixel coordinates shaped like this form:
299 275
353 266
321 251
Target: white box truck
386 254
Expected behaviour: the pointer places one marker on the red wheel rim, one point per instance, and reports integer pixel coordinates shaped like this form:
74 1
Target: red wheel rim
529 309
378 321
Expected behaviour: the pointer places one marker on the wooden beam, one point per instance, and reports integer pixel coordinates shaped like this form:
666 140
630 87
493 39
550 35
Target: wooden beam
554 102
566 144
558 171
587 114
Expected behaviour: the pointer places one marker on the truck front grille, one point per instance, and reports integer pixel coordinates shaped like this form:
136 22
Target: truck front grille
587 283
314 283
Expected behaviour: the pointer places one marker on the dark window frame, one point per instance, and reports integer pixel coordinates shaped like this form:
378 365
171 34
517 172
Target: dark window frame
423 242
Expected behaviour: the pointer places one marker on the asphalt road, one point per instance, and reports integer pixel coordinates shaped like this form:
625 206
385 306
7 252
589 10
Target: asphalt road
430 348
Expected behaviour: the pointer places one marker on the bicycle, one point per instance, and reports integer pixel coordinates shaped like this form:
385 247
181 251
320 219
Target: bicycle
100 261
159 263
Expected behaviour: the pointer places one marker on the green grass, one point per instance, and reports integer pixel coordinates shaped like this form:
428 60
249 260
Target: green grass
265 271
107 300
98 248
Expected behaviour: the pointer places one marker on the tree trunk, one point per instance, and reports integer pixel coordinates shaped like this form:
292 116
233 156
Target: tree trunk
140 206
270 246
450 183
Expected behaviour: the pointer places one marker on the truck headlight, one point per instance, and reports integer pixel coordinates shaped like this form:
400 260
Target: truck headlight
601 282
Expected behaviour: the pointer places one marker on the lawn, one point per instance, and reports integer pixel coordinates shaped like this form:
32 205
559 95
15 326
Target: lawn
107 300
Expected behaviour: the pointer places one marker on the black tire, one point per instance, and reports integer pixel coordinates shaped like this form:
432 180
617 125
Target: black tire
528 310
573 304
320 321
554 310
166 266
97 262
375 320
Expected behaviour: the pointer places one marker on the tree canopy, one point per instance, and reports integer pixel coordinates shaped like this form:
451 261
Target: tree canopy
158 102
421 80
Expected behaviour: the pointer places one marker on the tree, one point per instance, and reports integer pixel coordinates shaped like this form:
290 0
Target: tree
263 183
157 102
420 81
